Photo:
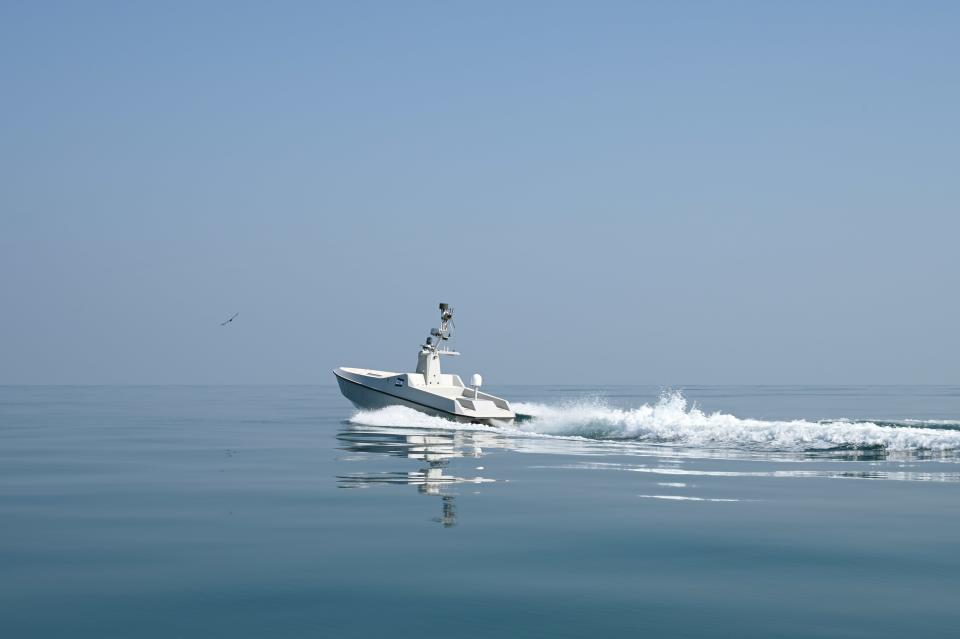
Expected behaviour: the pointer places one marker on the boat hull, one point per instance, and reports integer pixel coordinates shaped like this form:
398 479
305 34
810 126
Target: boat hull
366 397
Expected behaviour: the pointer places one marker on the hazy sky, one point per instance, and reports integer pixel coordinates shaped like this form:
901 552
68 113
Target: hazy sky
667 193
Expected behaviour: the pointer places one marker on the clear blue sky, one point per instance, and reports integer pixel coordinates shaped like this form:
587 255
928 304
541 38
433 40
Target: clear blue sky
666 193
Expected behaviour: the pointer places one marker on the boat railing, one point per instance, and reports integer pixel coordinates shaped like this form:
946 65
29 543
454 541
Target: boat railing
473 393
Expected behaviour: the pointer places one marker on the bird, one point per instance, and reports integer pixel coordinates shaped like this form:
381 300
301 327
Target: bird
230 320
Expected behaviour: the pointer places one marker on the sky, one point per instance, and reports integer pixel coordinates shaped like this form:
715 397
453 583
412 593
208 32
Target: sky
607 192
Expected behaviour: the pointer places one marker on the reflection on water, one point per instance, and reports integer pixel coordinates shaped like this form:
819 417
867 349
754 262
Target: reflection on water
119 505
686 498
844 472
433 448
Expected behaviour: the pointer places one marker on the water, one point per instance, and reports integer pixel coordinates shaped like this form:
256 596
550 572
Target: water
283 512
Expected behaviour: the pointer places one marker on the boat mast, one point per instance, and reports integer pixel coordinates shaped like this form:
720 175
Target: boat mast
428 360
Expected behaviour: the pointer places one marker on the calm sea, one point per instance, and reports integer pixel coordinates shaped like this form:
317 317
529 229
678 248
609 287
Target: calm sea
629 511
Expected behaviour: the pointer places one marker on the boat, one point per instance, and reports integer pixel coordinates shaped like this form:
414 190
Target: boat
427 390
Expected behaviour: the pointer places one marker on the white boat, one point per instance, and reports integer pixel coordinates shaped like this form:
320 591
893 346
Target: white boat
426 390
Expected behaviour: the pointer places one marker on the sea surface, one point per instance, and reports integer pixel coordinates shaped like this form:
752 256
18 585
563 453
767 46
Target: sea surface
698 511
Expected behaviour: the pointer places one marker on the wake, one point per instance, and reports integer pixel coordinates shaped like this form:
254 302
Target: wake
671 420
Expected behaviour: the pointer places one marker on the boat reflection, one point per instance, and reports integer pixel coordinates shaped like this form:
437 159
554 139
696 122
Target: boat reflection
433 448
438 451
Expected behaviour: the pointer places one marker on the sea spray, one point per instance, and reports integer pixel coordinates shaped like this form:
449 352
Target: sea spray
672 420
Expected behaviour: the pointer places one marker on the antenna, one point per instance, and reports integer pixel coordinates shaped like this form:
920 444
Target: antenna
446 315
442 334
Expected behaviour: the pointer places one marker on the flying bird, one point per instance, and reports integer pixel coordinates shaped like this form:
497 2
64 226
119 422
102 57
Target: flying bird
230 320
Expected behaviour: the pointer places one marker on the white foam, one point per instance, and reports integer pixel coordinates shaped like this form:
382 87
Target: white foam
403 417
671 420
